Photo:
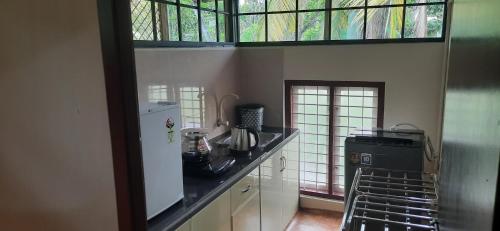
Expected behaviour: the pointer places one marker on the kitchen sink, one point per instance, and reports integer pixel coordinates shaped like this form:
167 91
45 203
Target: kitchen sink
265 139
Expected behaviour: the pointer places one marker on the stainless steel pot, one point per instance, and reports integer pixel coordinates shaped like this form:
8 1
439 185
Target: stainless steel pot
243 139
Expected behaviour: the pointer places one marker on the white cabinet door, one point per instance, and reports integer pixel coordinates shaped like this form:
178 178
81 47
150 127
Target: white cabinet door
215 217
290 195
271 193
245 203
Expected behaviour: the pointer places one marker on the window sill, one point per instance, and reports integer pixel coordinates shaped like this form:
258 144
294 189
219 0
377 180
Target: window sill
339 42
151 44
311 202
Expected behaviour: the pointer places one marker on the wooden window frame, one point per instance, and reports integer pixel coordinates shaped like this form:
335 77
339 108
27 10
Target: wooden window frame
327 38
331 130
181 42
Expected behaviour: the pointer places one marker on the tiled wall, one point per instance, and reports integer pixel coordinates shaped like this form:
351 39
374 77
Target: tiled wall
194 77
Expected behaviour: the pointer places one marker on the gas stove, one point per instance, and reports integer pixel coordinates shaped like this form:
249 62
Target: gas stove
206 165
382 199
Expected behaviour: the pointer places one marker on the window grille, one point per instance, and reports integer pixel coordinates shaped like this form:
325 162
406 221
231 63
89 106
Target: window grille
326 113
157 93
192 102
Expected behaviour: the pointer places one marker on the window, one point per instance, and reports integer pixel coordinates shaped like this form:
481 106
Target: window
190 98
180 20
339 20
192 101
257 22
157 93
326 113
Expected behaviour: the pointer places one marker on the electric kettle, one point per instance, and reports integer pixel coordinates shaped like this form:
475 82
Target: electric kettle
243 139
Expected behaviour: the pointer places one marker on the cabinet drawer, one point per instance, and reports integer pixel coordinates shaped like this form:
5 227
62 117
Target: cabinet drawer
216 216
244 189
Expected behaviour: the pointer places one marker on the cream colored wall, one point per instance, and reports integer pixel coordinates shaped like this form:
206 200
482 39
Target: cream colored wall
261 79
56 170
214 69
412 73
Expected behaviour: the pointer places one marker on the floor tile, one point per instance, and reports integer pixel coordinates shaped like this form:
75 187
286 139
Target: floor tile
315 220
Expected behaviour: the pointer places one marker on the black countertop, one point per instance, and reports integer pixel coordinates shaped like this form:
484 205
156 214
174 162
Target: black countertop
199 192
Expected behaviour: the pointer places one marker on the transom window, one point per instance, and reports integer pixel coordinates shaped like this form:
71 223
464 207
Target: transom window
334 20
180 20
262 22
326 113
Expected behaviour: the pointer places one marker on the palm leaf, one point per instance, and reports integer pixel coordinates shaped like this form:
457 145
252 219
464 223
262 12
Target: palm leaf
281 26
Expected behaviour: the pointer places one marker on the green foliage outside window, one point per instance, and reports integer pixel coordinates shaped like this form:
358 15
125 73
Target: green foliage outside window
167 20
347 19
285 20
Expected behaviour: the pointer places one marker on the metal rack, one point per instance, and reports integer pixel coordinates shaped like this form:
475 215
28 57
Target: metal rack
392 200
396 183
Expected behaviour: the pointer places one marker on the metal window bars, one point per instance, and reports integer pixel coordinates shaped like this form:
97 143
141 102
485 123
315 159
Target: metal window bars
142 23
392 200
310 113
356 108
192 101
365 21
326 112
175 21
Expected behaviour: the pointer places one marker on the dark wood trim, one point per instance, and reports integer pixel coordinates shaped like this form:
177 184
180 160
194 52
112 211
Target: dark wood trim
232 26
200 33
266 21
288 104
153 19
331 140
331 130
339 42
121 93
217 39
179 20
145 43
150 44
381 105
404 21
322 195
334 83
328 21
366 6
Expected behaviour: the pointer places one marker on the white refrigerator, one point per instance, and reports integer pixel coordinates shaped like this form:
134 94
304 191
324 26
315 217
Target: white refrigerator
162 155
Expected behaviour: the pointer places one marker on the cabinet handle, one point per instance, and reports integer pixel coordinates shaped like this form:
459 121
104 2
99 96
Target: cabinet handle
282 164
246 189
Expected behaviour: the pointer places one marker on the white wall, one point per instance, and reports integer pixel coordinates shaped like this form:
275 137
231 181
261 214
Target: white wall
214 69
412 73
56 170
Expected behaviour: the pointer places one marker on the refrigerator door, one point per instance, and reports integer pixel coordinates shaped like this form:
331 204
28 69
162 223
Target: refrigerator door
162 158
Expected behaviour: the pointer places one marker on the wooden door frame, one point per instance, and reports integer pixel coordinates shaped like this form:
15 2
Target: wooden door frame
121 93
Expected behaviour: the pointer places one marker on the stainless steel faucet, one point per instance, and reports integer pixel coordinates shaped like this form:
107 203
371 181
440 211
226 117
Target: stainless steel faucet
219 121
